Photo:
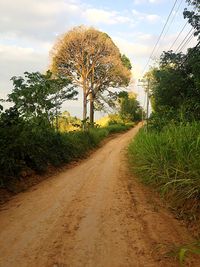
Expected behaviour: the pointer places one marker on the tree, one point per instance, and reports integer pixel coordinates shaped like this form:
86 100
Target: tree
126 62
91 59
130 109
175 83
175 86
40 95
67 123
104 80
194 16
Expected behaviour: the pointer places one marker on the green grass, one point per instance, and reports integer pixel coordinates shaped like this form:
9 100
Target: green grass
117 128
184 252
170 160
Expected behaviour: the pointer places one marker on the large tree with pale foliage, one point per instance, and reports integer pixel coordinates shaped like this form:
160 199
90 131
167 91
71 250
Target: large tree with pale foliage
91 60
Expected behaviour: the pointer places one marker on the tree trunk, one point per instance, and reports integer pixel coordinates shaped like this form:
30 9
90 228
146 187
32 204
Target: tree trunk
84 110
56 119
91 109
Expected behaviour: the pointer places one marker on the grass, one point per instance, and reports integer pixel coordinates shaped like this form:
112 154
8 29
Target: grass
170 161
184 252
117 128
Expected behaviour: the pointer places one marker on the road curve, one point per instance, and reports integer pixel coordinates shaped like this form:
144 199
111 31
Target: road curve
89 215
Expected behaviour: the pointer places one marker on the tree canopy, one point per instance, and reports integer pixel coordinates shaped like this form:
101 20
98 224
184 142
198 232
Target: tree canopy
193 16
175 86
129 107
92 61
40 95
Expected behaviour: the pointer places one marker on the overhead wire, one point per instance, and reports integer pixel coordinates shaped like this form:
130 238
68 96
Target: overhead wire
181 33
185 40
178 35
172 20
172 9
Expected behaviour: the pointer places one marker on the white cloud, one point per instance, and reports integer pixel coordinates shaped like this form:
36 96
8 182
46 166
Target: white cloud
132 49
139 2
155 1
16 60
36 19
146 37
152 18
29 28
97 16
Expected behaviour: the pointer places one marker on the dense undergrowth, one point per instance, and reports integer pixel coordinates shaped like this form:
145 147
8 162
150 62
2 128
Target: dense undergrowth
27 147
170 160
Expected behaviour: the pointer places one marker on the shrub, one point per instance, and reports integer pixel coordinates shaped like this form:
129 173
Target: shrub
36 147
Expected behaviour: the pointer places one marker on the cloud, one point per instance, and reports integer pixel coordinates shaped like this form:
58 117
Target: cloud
102 16
133 49
152 18
16 60
36 19
146 37
139 2
29 28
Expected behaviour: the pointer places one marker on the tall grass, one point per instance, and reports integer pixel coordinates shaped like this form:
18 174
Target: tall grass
170 160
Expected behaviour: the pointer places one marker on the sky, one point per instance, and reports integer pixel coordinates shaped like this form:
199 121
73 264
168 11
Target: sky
29 28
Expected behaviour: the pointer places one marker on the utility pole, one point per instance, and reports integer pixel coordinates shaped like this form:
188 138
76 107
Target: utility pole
146 84
148 104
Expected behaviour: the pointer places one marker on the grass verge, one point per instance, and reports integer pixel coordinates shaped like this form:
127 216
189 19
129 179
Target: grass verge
170 161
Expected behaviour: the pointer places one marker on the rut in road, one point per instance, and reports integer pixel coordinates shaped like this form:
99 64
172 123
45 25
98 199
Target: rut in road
90 215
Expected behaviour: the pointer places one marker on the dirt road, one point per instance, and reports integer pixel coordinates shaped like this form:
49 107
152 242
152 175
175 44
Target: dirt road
90 215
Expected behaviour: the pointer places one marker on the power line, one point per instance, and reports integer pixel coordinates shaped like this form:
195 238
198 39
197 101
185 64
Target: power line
188 41
172 20
178 35
160 35
190 33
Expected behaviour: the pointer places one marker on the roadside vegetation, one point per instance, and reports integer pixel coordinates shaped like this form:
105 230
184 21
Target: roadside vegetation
35 134
170 160
167 154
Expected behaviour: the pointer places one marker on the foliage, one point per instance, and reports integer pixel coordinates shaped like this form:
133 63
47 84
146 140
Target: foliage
130 109
40 95
67 123
27 145
193 16
175 86
92 61
114 119
170 160
126 62
116 128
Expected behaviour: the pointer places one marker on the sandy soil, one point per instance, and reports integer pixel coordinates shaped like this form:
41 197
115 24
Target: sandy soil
93 215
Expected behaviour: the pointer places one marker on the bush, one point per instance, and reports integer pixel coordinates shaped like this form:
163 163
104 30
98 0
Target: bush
116 128
25 145
169 160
